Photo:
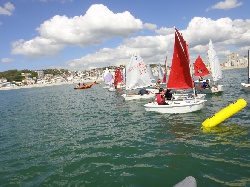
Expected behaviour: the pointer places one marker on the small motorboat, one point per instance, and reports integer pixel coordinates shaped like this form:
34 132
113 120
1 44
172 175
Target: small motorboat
83 87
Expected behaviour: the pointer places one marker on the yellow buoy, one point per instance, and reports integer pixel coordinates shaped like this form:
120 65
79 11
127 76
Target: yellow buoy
224 113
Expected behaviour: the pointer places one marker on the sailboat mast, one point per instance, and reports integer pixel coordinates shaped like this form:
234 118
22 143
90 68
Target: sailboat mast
248 67
185 51
192 75
166 63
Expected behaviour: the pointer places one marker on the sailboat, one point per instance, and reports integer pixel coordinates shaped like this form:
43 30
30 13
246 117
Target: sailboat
107 76
118 80
162 77
160 74
149 69
200 70
179 78
137 76
246 86
216 71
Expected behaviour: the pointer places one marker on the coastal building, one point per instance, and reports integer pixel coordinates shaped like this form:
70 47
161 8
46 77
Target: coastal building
40 74
234 60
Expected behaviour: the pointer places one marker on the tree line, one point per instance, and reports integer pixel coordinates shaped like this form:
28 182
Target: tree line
16 75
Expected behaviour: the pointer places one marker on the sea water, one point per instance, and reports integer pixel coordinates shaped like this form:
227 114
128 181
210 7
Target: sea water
58 136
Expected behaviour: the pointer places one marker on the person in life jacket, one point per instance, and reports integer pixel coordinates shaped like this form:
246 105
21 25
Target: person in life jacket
205 84
160 98
157 86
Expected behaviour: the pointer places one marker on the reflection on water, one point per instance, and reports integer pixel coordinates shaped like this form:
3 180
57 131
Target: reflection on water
65 137
226 130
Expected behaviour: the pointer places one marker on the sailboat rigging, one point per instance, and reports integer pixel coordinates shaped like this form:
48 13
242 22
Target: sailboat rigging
179 78
137 76
200 68
216 71
118 80
246 86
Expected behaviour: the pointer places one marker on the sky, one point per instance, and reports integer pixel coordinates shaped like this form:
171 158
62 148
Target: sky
86 34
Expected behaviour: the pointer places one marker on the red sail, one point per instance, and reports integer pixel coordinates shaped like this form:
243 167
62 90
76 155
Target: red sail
118 76
199 68
164 80
180 76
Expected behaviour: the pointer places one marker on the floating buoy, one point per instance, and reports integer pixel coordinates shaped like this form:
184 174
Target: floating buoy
225 113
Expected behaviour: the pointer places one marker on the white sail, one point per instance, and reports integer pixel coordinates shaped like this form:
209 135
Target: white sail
160 72
213 59
246 86
149 69
136 73
105 72
107 76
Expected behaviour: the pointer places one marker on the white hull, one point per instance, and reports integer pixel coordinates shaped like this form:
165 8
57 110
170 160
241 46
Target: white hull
107 87
186 96
175 107
178 95
212 89
246 87
129 97
153 90
112 89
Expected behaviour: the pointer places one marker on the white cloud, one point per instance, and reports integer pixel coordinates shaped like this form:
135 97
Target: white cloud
225 34
104 57
96 26
7 60
149 26
226 5
37 47
7 9
199 30
152 48
99 24
165 31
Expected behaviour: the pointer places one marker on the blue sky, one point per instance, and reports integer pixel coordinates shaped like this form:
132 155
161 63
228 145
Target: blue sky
85 34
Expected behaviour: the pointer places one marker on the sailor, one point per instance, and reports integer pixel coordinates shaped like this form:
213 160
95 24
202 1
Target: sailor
206 84
160 98
143 91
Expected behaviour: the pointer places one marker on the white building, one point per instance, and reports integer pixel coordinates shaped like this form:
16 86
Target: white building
234 60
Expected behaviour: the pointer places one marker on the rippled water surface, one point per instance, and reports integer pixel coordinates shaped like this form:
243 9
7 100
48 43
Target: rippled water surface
58 136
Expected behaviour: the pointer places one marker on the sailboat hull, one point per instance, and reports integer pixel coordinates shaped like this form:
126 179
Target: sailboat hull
216 70
179 95
128 97
245 87
212 89
174 107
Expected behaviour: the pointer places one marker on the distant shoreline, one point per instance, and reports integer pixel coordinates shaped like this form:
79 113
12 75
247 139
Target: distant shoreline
87 81
234 67
45 85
